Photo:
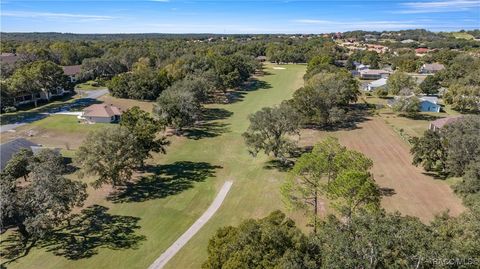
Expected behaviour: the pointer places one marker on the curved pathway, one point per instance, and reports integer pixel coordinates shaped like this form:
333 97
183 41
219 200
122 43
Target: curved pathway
182 240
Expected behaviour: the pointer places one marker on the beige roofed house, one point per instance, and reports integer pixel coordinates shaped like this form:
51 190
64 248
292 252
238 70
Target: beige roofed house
431 68
72 71
101 113
436 125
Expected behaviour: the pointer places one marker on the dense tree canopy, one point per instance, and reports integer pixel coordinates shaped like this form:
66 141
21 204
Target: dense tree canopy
333 170
367 240
324 98
40 204
409 106
264 243
430 85
270 129
36 77
141 84
177 109
453 151
400 83
144 128
111 154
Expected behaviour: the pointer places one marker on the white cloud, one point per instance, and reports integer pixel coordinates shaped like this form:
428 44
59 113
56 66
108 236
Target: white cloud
55 16
439 6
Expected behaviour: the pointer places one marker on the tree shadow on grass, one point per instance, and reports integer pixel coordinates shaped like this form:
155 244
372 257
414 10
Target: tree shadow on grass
84 235
208 126
278 165
419 116
209 114
166 180
13 248
252 85
206 130
355 114
93 229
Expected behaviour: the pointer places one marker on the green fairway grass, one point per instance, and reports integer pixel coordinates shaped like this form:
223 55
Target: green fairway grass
463 35
191 173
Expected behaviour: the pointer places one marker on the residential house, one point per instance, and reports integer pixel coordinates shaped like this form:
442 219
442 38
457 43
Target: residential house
373 73
72 71
431 68
377 48
429 104
360 66
382 82
421 51
8 149
101 113
437 125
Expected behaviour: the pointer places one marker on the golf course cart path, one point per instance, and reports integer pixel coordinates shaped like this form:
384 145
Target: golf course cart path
182 240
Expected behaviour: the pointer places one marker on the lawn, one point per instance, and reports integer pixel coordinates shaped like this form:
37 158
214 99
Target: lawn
63 131
406 127
407 189
29 112
125 104
184 182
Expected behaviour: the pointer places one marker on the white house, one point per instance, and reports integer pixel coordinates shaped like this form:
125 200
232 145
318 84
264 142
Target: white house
376 84
360 66
101 113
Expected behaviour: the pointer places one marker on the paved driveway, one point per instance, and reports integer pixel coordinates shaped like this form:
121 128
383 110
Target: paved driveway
89 97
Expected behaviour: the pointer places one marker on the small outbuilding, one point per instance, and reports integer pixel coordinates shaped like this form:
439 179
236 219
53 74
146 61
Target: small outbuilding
101 113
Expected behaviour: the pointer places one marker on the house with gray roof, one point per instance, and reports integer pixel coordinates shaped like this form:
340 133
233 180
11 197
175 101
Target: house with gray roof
8 149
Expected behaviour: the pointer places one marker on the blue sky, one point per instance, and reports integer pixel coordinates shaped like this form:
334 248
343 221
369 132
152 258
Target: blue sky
233 16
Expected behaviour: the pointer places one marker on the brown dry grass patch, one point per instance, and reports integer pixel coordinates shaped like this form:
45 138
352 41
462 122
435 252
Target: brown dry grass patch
411 191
